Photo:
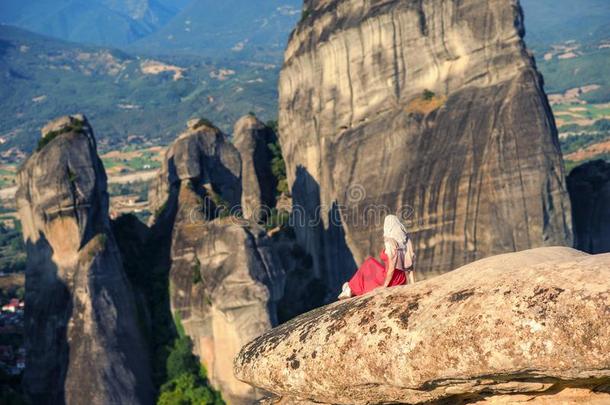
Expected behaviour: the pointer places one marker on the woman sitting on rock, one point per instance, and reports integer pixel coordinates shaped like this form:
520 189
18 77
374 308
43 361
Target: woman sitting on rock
398 257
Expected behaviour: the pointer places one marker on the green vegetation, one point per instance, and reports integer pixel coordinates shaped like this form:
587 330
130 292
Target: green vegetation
76 127
305 13
581 115
273 125
197 271
428 95
178 326
119 99
278 168
139 188
204 122
7 178
590 68
277 219
12 248
181 359
591 135
177 372
71 176
220 206
159 211
574 143
147 160
186 379
187 389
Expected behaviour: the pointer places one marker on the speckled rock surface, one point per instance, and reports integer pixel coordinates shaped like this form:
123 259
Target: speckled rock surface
510 326
431 108
81 328
251 138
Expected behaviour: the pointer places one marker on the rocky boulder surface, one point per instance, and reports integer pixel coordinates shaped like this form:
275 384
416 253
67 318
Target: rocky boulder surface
589 186
252 138
224 279
529 326
81 328
431 109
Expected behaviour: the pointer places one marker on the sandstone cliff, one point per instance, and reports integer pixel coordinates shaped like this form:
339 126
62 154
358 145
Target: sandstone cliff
521 327
224 278
252 138
200 160
82 338
589 187
432 109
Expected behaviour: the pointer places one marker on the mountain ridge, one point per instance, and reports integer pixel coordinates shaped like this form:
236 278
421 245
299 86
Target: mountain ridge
122 93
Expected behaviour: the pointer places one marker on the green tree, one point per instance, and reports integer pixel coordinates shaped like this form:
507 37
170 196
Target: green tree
278 168
181 359
187 379
187 389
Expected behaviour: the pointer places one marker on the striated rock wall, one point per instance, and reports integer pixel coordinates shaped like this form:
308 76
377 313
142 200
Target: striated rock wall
224 279
201 160
81 327
520 327
225 282
589 186
433 109
251 138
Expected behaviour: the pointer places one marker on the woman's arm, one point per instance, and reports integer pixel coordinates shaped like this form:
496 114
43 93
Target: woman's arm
390 269
412 277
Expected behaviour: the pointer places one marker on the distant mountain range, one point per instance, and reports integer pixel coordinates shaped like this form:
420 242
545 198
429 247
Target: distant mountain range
229 28
102 22
227 55
550 22
122 94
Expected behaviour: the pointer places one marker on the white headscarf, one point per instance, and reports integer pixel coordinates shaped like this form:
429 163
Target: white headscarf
394 229
397 242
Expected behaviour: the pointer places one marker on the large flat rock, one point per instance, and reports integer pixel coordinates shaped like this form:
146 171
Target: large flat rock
521 324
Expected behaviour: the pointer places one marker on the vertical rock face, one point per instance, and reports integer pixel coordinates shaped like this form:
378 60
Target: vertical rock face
201 160
251 138
224 278
225 283
589 187
431 109
82 337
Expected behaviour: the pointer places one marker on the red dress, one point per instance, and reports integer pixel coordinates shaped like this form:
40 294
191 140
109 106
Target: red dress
371 275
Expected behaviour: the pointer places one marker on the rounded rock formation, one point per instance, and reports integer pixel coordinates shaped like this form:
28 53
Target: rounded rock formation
203 160
251 138
81 327
523 326
224 277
